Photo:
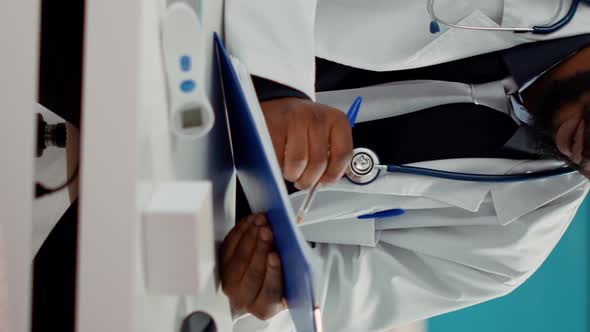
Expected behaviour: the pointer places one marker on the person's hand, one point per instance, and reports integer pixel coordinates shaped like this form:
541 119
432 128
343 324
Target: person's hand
312 141
251 274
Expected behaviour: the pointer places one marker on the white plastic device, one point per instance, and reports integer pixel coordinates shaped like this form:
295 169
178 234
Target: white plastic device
179 240
191 114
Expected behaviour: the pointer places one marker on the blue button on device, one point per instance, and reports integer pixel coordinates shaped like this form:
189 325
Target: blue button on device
185 63
188 86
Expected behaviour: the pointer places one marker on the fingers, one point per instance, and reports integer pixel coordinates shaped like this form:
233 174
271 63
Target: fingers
254 276
236 266
340 150
296 149
251 272
276 115
312 141
270 299
278 143
232 239
277 131
318 150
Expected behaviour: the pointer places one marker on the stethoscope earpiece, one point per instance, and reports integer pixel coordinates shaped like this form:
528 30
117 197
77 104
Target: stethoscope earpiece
434 27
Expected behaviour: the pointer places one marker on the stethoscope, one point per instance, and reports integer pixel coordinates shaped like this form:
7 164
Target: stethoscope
365 168
544 29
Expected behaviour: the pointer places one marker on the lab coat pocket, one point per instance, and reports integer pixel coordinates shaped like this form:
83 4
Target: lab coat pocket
454 44
349 231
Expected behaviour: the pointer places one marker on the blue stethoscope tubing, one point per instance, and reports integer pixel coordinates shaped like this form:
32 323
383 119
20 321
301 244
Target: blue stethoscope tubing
457 176
370 170
561 23
565 20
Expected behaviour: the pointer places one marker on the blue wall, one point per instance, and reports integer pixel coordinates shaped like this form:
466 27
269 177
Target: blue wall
556 298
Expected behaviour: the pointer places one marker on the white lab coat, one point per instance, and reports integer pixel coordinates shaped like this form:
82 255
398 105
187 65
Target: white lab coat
279 39
459 243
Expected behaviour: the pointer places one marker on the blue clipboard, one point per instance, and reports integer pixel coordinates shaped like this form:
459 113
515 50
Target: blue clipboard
259 173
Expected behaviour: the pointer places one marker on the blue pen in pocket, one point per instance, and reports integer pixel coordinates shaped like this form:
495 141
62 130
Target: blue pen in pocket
383 214
354 111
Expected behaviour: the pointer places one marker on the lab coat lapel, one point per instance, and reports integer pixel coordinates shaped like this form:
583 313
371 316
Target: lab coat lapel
514 200
425 49
465 195
451 45
333 217
335 222
420 47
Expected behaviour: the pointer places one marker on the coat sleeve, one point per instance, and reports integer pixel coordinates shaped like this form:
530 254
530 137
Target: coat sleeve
274 39
417 273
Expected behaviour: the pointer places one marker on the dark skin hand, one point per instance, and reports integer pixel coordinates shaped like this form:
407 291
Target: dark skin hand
312 141
251 273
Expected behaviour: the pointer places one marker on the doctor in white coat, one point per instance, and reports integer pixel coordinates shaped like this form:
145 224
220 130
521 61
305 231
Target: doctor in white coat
459 243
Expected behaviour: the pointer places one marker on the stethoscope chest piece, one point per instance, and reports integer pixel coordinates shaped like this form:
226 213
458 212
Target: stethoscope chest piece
363 167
